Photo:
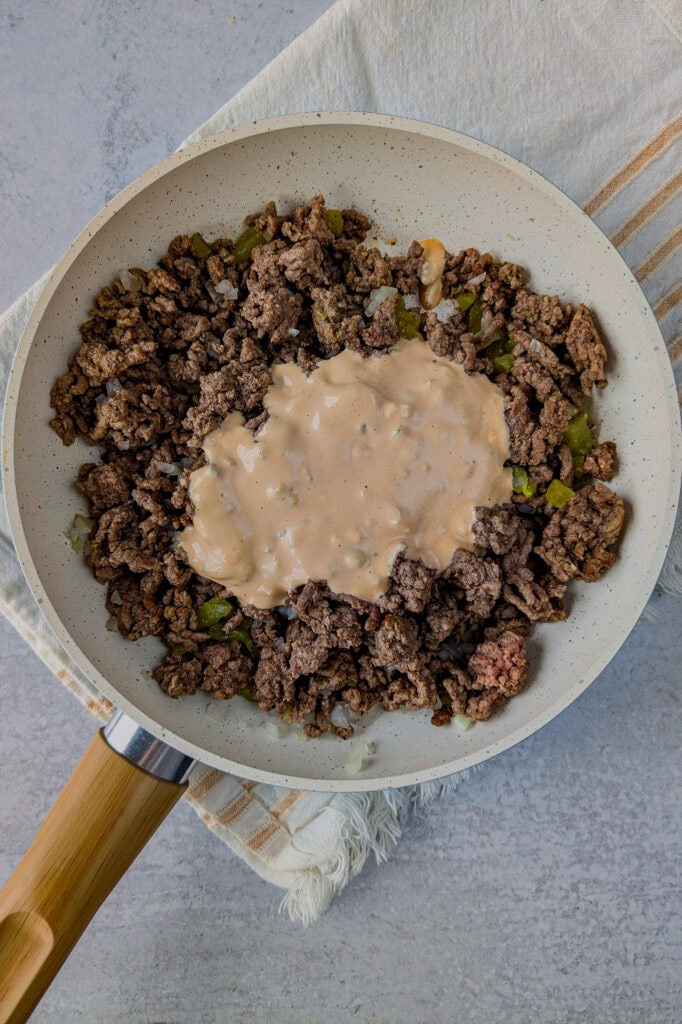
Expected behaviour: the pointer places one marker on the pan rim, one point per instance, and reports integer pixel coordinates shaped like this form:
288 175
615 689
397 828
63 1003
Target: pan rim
306 120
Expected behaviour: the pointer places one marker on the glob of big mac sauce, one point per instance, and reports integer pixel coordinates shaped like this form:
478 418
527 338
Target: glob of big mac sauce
431 274
361 459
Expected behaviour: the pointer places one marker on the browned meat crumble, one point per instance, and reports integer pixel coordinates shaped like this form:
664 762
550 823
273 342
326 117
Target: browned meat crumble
165 357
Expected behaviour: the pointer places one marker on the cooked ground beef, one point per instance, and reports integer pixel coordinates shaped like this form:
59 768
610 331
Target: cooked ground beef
167 355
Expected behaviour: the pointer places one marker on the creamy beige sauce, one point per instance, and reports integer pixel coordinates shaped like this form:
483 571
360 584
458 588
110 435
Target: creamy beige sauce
359 460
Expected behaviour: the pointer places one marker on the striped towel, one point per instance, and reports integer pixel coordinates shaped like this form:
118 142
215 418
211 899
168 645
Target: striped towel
589 93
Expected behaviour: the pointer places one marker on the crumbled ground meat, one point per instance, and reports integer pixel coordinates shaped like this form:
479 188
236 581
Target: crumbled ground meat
367 269
498 669
406 269
411 583
383 330
163 361
600 462
479 578
586 350
578 540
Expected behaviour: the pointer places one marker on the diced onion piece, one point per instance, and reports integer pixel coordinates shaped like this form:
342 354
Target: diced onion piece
462 722
294 332
275 730
113 386
377 296
169 468
411 301
78 533
227 290
111 624
445 310
360 752
129 281
384 247
478 279
370 716
217 709
339 716
123 446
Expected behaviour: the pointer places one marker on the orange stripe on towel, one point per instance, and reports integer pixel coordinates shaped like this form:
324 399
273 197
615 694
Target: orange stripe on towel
286 802
206 784
660 255
653 149
668 302
649 210
675 347
234 810
264 834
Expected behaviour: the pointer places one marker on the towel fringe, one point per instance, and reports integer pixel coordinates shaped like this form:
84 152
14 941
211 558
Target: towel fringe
373 825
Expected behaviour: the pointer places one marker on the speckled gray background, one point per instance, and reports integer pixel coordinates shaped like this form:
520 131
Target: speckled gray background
545 891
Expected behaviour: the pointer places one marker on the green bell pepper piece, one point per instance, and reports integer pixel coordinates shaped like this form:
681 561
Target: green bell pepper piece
579 435
474 316
504 363
200 246
177 648
210 613
464 300
334 219
243 634
246 243
522 483
559 494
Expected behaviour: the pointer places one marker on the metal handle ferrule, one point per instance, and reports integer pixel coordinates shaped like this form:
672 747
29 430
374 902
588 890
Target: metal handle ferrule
139 747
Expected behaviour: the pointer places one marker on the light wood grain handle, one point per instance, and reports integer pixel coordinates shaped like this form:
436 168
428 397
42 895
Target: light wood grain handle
105 815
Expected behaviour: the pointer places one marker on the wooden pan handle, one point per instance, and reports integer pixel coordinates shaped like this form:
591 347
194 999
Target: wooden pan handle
105 815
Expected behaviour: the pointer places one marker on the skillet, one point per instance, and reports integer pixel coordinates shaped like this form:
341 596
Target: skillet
415 180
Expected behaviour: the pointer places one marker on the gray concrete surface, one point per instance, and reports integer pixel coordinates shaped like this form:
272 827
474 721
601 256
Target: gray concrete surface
545 891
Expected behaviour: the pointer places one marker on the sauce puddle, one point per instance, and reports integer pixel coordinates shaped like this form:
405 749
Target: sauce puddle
361 459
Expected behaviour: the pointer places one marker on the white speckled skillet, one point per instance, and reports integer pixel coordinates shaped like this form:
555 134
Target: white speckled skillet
416 180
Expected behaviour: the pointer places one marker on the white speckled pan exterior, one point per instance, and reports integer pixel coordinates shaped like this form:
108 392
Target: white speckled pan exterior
416 180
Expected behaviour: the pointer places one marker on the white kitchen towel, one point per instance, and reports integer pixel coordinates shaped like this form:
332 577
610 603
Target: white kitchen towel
589 93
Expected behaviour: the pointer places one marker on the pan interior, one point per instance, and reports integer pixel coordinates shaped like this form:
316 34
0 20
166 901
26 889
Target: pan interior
416 181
